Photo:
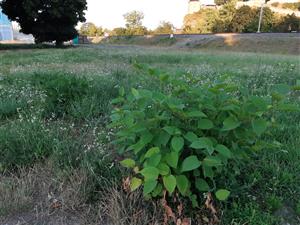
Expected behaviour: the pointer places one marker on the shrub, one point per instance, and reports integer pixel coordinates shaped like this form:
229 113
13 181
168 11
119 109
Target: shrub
184 136
288 23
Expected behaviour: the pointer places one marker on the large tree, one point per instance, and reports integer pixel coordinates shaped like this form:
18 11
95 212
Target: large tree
164 28
134 23
90 29
201 22
46 20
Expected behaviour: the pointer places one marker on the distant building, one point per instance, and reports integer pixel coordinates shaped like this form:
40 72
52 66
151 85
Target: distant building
197 5
6 29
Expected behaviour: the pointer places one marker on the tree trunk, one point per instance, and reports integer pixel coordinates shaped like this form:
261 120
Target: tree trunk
59 44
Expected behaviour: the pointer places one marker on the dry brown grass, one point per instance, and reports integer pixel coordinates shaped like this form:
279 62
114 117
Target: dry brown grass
40 196
118 207
279 43
36 196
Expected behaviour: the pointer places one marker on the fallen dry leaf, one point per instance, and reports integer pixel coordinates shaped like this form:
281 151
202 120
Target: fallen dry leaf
126 184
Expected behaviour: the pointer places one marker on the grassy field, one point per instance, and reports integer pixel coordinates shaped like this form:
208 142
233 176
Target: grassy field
58 165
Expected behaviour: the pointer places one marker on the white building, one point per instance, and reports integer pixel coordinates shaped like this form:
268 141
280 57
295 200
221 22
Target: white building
6 30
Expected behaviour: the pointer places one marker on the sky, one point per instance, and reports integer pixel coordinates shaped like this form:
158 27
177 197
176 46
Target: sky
109 13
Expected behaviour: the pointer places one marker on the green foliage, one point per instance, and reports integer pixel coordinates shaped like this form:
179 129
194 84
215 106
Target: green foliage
23 144
242 18
288 23
184 136
222 194
164 28
54 21
274 203
86 144
62 91
228 18
248 213
134 19
201 22
298 208
119 31
90 29
134 25
10 106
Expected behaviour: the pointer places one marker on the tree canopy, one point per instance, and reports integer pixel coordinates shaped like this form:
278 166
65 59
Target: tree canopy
228 18
134 23
164 28
90 29
47 21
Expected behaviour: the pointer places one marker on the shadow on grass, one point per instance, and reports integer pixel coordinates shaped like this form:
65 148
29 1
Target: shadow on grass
32 46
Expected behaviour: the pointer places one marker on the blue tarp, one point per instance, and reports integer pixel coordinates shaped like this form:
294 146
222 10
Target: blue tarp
6 31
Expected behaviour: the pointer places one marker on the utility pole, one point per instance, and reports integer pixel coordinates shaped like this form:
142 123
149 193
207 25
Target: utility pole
261 14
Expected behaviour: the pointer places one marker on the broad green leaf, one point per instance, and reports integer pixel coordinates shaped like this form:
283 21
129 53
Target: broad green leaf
150 173
163 168
212 161
194 201
203 143
177 143
122 91
162 138
205 124
231 123
135 93
222 194
172 130
169 183
223 150
135 183
196 114
152 151
191 137
149 186
128 163
145 93
201 185
182 184
196 173
117 100
172 159
259 104
208 171
190 163
231 107
298 82
154 160
259 126
157 190
145 139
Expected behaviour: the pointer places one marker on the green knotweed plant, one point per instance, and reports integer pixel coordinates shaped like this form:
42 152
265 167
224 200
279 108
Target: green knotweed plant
182 137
